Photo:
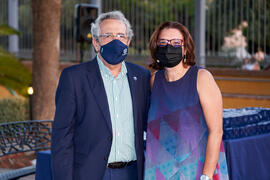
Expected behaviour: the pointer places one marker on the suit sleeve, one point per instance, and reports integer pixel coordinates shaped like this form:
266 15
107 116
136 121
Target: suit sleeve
63 129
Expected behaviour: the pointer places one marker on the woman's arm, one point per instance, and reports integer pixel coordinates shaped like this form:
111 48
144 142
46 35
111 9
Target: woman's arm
211 101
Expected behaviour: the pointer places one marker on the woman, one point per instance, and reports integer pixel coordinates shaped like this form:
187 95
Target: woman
184 131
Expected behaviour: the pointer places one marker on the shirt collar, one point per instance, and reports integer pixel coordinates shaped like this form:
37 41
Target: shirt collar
105 71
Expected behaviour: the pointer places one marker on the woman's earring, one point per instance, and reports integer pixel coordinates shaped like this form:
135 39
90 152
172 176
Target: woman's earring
185 58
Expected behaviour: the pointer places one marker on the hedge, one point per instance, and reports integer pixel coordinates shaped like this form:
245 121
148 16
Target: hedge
14 109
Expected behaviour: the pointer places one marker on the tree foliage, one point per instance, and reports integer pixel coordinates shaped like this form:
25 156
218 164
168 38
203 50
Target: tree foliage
146 15
13 74
228 15
6 30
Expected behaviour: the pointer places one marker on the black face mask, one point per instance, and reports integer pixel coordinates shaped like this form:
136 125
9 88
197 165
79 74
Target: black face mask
169 56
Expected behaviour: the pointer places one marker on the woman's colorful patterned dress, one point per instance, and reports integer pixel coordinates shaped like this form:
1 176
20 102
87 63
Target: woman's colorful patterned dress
177 132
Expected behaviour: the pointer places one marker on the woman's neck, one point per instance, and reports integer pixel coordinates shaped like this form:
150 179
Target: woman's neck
175 73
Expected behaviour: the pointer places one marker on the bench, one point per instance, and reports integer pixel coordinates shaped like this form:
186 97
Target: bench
23 136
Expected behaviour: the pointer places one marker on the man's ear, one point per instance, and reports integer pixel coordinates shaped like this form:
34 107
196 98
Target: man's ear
96 44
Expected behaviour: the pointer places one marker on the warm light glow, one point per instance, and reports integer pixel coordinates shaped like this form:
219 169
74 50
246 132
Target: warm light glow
89 36
30 91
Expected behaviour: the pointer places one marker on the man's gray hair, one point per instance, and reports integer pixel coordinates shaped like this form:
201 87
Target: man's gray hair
95 27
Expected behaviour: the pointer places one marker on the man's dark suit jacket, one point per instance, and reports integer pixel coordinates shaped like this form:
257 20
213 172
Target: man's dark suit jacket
82 130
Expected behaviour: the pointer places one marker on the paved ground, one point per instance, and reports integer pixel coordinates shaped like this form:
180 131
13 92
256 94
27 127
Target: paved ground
30 177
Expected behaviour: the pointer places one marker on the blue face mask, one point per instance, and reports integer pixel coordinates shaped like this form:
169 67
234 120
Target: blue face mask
114 52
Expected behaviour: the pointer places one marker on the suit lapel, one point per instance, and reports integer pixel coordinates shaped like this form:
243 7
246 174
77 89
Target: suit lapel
98 89
132 79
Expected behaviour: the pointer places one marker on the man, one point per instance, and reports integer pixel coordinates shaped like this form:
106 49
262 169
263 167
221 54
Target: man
101 110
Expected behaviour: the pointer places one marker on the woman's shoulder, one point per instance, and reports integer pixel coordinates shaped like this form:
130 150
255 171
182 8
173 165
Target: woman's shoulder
205 80
153 75
204 74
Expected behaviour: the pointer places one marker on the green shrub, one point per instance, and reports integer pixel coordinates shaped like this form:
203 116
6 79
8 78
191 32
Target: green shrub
14 109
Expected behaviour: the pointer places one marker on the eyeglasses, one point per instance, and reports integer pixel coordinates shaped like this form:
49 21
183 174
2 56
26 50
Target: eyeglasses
173 42
111 36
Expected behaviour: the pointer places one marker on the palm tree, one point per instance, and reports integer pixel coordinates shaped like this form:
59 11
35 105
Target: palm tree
46 29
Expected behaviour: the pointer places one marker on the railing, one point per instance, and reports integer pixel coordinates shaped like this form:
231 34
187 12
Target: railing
24 136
